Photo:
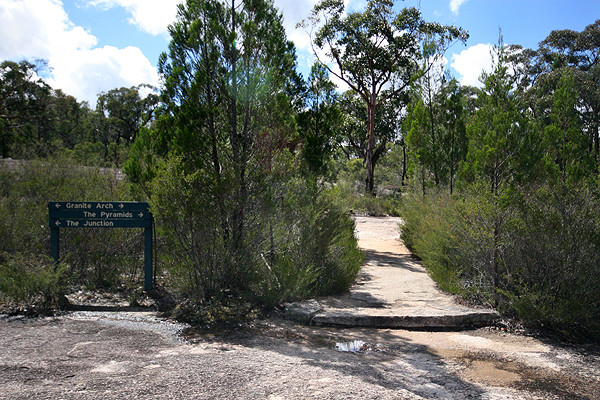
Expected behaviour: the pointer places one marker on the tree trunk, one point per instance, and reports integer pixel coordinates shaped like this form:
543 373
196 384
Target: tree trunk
370 144
596 144
403 163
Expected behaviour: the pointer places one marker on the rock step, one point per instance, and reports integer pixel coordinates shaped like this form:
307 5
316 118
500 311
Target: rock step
310 312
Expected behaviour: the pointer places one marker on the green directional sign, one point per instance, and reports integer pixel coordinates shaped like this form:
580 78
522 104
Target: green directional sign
98 205
83 214
102 214
100 223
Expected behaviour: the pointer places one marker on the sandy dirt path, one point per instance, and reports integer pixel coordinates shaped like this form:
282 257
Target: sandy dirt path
393 289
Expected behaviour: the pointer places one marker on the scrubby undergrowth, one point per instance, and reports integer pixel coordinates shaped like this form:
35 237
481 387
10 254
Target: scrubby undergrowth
533 253
298 244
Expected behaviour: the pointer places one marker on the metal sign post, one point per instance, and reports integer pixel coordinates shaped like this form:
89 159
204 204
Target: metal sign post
96 214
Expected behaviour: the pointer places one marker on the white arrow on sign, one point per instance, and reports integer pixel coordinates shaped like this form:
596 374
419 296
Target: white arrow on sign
57 223
57 205
141 214
121 205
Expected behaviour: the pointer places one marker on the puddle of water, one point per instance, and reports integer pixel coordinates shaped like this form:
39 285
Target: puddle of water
492 373
352 346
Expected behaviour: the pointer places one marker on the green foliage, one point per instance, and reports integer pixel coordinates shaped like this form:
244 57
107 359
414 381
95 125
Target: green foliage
30 284
142 163
312 250
91 257
231 116
521 234
299 244
319 124
497 130
194 248
87 153
348 194
38 121
126 112
558 255
574 51
436 133
357 142
566 149
533 252
234 217
377 53
392 169
23 103
427 231
322 236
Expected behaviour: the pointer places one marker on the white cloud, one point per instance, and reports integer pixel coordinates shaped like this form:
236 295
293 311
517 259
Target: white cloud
470 63
151 16
154 16
294 11
455 5
84 74
38 28
42 29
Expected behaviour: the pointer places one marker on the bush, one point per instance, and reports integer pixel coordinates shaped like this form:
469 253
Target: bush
427 231
317 235
557 257
30 286
348 192
297 244
532 252
193 248
92 257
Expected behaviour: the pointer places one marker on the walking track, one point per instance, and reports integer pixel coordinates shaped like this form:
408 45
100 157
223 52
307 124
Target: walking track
393 290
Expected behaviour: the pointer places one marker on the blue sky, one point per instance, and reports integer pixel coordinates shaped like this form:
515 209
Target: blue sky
97 45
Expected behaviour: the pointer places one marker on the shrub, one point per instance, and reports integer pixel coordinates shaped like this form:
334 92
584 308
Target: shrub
92 257
320 236
29 285
427 231
193 248
532 252
557 255
297 243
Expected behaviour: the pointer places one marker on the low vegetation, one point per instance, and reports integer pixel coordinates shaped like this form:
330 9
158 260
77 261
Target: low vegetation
532 255
91 257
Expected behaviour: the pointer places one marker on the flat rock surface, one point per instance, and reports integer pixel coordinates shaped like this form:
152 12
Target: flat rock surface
119 355
393 289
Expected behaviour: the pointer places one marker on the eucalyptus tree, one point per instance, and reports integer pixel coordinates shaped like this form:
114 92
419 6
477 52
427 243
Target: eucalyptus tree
69 116
127 110
377 53
23 102
356 139
581 52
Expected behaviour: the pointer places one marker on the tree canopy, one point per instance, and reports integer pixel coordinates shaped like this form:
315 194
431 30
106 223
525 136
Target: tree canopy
378 53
